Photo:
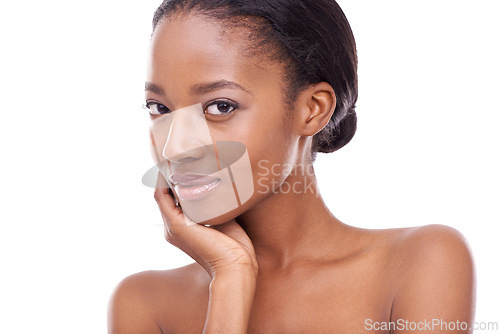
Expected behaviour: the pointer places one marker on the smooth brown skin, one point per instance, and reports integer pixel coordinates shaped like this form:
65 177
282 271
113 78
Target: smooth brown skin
287 265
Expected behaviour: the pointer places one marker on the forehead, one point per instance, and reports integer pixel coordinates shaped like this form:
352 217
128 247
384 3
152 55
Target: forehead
188 42
192 48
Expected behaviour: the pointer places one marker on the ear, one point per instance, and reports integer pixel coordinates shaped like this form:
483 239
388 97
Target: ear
315 106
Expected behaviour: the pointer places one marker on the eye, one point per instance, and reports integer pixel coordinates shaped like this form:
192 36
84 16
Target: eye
156 108
221 108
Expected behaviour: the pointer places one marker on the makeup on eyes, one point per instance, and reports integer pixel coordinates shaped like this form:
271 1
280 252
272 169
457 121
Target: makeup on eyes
223 107
218 104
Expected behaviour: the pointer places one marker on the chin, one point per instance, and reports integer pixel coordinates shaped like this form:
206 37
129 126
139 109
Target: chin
221 219
226 216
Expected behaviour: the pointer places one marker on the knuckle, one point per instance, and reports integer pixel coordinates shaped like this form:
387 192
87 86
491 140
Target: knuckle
169 232
172 233
157 196
169 237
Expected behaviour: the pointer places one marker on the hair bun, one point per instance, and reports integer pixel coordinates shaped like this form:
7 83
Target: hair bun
332 137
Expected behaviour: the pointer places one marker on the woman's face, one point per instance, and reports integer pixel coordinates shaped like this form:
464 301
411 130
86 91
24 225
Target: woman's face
220 135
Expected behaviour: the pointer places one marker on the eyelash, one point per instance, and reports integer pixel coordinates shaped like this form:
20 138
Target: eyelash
148 106
233 105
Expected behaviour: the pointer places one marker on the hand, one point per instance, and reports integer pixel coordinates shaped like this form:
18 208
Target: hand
219 249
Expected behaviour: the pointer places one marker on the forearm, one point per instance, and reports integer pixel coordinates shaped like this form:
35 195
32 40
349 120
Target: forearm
230 302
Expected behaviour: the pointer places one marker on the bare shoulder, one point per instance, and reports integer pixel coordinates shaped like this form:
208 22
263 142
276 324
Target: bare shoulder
157 301
410 245
432 245
430 271
423 251
435 274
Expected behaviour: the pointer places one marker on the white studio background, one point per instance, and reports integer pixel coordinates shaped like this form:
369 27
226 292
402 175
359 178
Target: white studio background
75 218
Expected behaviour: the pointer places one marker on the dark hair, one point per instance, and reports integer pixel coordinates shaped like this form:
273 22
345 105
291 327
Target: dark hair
311 37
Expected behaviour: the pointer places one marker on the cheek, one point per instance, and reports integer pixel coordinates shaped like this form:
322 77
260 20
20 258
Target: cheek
269 171
271 156
267 138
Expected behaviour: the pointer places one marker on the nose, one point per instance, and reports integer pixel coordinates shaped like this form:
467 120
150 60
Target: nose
188 134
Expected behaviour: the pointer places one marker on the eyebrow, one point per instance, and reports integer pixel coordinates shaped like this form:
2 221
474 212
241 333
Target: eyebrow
201 88
204 88
153 88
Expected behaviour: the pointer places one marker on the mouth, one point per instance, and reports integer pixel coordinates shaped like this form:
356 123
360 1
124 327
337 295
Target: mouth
191 186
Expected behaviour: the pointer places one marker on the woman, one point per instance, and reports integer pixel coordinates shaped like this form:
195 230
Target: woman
242 95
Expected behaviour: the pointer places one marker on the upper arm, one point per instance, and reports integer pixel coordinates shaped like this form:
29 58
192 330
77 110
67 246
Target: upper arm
130 309
436 281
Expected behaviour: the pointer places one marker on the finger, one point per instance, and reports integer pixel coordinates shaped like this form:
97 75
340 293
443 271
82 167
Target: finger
165 201
174 196
161 182
169 205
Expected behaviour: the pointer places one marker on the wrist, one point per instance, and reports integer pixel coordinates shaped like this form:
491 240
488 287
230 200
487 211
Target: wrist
231 294
240 273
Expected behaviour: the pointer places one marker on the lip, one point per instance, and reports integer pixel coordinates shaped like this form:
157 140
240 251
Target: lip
191 186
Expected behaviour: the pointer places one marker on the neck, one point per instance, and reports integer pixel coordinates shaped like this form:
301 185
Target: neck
291 226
